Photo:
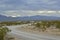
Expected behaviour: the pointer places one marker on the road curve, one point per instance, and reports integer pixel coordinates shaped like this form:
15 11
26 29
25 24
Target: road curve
30 36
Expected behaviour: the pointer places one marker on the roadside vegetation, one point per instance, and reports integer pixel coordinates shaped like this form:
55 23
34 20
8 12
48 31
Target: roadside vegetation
47 24
13 23
39 26
48 27
3 32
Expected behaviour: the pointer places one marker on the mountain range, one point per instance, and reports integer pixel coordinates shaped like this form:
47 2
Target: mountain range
28 18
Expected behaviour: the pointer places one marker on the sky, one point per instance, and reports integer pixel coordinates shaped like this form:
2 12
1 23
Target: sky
16 8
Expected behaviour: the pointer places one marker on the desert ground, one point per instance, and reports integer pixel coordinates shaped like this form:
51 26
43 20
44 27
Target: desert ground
20 32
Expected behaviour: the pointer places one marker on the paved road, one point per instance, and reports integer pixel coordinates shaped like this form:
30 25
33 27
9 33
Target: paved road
29 36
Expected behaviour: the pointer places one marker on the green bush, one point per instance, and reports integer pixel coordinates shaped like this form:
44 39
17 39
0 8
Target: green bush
3 32
47 24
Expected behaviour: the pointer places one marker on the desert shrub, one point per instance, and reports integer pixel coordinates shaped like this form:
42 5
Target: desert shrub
3 32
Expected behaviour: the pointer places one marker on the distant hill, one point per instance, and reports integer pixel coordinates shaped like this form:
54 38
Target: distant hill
28 18
5 18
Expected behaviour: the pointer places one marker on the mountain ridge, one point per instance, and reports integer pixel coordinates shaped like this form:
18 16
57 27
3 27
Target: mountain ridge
28 18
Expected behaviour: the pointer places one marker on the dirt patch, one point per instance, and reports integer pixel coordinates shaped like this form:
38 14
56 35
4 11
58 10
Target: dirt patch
11 37
31 29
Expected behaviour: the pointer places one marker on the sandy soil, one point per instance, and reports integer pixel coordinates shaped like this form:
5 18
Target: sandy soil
11 37
30 29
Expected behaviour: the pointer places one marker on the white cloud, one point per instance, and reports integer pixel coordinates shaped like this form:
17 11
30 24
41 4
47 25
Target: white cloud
41 11
58 11
17 13
51 12
13 16
11 13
